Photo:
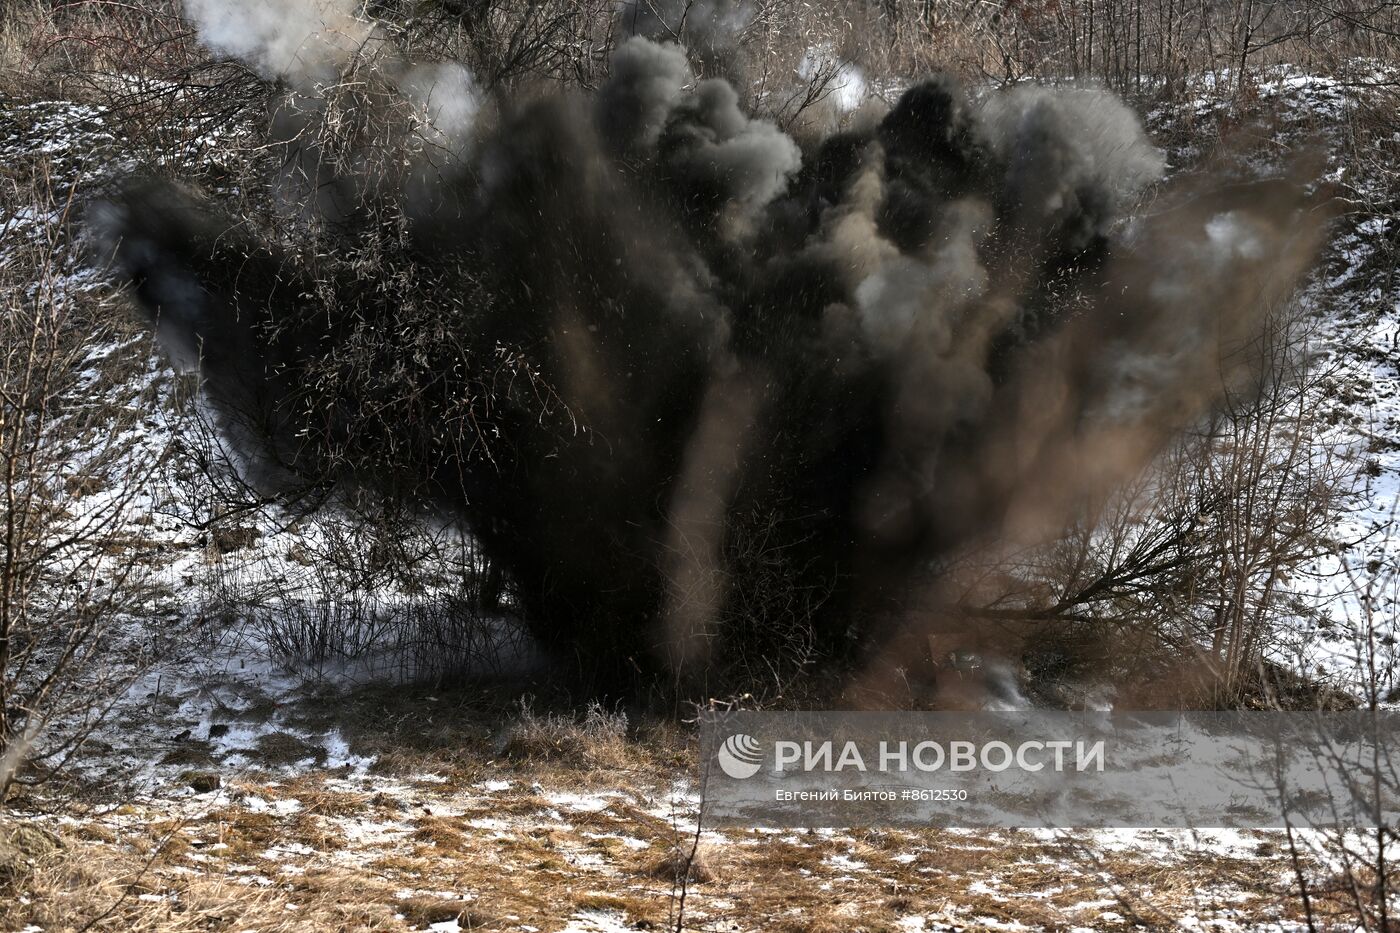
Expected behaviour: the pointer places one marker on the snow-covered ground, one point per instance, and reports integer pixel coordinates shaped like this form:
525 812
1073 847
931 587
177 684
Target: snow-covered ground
1354 303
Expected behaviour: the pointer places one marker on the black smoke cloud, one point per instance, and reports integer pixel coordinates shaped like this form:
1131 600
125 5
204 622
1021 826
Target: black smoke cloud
704 394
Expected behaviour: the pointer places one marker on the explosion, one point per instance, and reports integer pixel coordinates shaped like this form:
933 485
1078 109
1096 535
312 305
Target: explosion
703 390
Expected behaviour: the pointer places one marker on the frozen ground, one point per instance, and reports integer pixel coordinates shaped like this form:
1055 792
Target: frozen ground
1355 301
580 850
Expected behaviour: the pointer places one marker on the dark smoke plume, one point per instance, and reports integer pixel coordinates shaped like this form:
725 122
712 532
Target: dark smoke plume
703 394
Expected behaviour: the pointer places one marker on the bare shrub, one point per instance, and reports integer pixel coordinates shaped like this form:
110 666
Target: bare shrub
344 586
1177 587
73 470
1344 873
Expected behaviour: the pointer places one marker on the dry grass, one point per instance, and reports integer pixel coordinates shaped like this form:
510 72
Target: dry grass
104 887
284 748
682 864
315 798
422 911
442 832
597 740
520 857
639 912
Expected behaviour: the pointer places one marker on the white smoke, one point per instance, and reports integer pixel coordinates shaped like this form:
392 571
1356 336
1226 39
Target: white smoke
303 42
1220 243
847 88
449 100
1206 254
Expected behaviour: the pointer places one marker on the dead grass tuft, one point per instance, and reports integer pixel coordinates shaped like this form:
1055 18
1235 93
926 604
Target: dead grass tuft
190 752
314 831
836 921
314 797
246 833
22 847
639 913
598 740
423 911
284 748
441 831
681 865
202 782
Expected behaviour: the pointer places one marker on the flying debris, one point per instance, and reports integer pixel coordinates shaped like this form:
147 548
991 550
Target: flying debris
707 394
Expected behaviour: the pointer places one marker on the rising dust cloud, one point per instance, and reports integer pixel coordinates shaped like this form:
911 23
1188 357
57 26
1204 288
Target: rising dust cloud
704 391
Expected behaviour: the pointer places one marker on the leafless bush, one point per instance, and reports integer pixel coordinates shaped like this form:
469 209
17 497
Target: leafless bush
1134 46
1345 874
364 587
1177 587
769 643
505 43
73 471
